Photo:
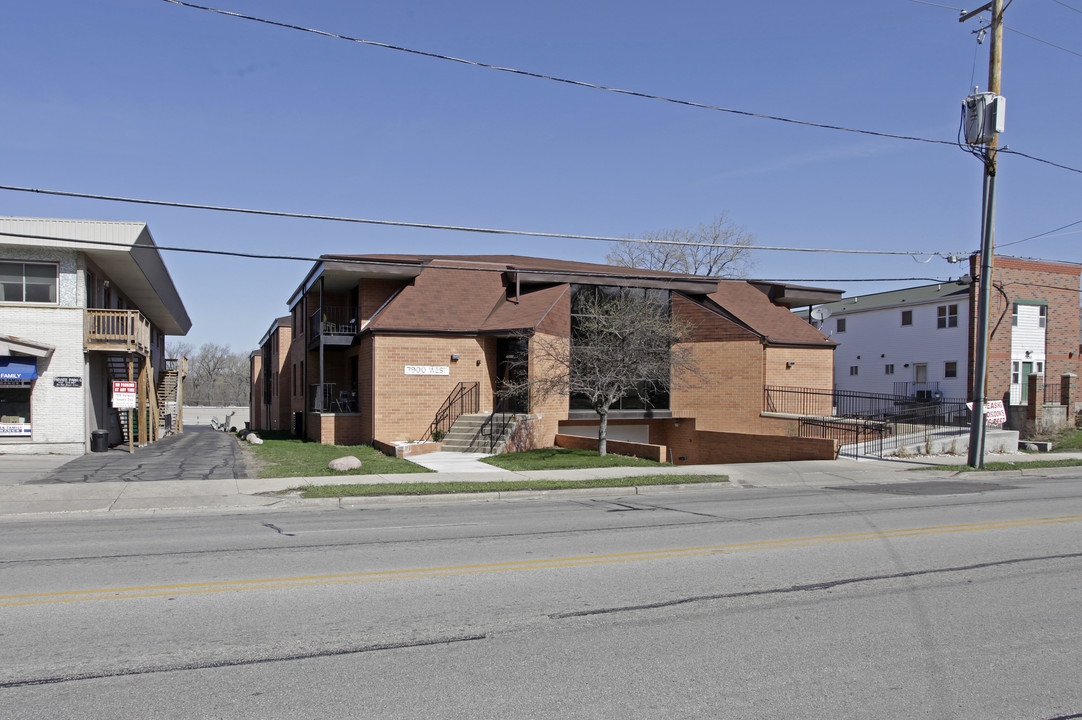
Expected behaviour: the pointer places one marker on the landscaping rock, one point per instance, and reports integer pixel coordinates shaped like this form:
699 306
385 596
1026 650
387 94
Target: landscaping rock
344 463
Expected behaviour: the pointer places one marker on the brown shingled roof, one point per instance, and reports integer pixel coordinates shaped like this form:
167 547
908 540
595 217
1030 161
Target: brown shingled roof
754 309
520 262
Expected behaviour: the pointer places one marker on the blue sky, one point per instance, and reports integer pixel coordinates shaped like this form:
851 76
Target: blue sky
147 99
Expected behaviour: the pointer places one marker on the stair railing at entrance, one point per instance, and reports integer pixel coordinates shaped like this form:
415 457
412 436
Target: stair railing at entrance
496 424
463 400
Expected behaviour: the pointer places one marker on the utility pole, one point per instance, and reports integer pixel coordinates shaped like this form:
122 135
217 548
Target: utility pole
988 216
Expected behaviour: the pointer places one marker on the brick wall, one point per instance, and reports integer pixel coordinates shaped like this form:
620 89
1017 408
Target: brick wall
548 411
727 394
255 403
405 405
1028 280
657 453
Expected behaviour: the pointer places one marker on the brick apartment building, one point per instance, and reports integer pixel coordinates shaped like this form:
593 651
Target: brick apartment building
270 397
375 345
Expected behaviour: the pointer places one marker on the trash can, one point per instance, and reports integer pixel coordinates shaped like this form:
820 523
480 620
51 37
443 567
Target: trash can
99 441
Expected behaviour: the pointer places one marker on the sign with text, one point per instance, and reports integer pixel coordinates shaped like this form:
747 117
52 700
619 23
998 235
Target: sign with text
12 429
994 412
67 382
124 394
428 370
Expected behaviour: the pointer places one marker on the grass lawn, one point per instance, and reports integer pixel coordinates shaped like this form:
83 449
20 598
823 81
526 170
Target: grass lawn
282 456
323 491
1068 439
564 459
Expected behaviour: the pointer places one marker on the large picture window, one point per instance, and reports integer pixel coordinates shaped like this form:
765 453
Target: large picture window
28 282
650 393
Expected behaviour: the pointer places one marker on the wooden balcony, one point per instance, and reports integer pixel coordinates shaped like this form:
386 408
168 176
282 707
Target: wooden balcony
117 331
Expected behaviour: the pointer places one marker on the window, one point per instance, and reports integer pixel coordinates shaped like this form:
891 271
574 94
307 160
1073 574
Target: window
950 370
841 325
1014 314
649 393
27 282
854 369
889 370
15 411
1044 316
1016 372
947 316
907 317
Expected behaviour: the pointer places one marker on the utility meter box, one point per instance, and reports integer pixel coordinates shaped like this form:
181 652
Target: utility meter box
984 117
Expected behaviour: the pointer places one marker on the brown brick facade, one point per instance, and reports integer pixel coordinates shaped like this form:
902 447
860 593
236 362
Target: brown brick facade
1017 280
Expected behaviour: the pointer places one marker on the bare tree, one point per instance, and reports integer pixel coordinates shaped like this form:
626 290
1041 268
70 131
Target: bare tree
726 253
216 375
623 344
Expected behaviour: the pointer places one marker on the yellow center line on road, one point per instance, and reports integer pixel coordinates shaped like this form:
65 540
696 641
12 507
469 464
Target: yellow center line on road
148 591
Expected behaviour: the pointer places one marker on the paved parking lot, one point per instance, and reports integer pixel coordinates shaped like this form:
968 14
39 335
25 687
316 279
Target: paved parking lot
199 453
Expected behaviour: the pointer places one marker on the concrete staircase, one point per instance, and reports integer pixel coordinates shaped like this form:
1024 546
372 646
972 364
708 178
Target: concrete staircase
466 434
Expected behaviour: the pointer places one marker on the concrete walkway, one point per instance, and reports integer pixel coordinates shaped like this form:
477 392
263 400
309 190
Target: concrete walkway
240 495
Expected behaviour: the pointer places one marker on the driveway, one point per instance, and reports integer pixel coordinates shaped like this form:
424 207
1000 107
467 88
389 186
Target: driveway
199 453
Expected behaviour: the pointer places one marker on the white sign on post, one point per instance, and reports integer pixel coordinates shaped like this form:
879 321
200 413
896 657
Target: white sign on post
428 370
124 395
994 412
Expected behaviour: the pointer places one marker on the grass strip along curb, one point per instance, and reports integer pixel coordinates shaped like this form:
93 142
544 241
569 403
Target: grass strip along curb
1034 464
360 490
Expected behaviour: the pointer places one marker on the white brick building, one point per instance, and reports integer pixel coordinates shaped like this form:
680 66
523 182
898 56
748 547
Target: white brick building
82 303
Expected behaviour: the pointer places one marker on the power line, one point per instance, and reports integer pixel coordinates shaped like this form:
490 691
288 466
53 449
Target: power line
461 228
1069 7
593 86
1044 234
553 78
945 7
1030 157
361 260
1033 37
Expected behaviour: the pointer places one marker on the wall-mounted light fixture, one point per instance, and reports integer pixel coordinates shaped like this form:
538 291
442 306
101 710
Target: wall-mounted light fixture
455 357
1028 353
478 363
676 423
789 365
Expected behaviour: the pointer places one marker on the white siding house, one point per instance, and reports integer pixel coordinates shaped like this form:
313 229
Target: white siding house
912 342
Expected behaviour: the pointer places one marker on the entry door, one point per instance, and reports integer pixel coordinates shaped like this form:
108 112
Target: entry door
508 349
1027 370
920 373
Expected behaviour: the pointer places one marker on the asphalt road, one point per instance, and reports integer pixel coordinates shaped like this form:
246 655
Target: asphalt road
949 601
199 453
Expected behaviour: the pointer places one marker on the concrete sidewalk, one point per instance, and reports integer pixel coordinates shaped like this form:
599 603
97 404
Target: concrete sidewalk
239 495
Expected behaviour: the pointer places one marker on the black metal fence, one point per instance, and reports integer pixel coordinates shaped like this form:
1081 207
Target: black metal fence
869 423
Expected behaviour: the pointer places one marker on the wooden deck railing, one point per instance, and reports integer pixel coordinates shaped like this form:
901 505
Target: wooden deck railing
117 330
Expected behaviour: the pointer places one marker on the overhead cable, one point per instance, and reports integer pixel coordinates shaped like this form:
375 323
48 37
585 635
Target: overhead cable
580 83
553 78
462 228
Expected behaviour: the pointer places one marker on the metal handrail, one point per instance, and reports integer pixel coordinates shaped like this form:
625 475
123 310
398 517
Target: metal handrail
464 399
493 435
